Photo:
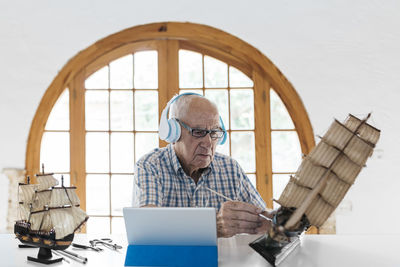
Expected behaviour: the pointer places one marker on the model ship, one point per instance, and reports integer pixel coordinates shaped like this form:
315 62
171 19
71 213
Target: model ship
319 185
49 214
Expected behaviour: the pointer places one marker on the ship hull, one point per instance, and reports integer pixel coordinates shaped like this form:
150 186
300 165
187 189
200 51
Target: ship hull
40 239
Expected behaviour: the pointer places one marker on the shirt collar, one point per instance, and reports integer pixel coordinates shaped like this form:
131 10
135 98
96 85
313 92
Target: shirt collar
174 159
178 167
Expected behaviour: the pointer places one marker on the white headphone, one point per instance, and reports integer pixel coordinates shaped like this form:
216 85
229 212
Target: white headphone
170 129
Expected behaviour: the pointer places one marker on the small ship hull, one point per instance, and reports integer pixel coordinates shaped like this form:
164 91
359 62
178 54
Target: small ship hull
40 239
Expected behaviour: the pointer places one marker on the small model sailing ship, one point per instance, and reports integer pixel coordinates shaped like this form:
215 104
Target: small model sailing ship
319 185
49 215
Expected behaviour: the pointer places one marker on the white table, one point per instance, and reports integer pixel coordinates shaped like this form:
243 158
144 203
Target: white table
315 250
319 251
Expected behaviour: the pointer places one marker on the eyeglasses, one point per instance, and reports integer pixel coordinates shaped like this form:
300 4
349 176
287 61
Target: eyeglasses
196 132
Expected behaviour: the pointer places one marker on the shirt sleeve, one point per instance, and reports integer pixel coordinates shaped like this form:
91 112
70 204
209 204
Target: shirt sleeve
146 185
247 192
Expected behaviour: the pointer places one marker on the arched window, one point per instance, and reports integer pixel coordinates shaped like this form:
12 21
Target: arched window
101 112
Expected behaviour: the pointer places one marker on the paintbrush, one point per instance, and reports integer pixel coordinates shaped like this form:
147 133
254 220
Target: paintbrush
229 199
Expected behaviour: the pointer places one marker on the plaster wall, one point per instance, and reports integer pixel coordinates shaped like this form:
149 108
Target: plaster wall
341 56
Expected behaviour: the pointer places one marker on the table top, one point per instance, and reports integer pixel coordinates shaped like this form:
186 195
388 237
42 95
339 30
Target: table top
315 250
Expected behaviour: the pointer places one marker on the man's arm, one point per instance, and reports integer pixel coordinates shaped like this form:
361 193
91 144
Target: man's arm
242 215
146 186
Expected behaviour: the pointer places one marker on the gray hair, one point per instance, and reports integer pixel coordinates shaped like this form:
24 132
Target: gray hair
181 106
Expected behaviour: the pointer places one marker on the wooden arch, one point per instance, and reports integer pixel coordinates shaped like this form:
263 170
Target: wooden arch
262 71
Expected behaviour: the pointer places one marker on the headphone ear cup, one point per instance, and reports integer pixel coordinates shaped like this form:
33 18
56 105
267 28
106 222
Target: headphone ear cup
175 131
223 139
164 128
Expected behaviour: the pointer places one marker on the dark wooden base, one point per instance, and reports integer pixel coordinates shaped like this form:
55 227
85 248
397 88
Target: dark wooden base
45 256
267 247
273 251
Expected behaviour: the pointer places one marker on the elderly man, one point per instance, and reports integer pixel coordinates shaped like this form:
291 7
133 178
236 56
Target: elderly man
182 174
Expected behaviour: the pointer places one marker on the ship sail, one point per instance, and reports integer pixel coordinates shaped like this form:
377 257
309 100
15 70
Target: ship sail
41 199
73 197
57 209
366 131
40 221
63 196
46 181
67 220
26 194
30 200
327 173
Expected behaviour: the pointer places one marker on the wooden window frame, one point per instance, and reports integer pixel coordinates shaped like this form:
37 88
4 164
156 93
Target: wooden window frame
196 37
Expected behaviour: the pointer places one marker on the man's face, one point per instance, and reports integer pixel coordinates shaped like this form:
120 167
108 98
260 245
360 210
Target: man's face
197 152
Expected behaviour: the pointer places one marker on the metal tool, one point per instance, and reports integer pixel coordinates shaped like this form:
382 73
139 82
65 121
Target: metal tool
59 254
73 256
75 245
107 242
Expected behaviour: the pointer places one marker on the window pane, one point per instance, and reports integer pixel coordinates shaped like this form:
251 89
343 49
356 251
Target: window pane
97 194
122 152
279 183
252 178
146 111
121 111
98 80
118 225
224 149
220 98
54 151
145 142
97 152
242 109
98 226
146 70
280 118
190 69
59 116
238 78
96 110
121 73
286 151
121 193
215 73
243 150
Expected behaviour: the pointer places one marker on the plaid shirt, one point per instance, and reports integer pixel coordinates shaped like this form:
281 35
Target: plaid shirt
160 180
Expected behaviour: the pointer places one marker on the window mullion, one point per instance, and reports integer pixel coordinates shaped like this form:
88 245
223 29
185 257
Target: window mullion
168 74
263 137
77 137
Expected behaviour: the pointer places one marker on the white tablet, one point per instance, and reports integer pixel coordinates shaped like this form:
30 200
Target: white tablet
171 226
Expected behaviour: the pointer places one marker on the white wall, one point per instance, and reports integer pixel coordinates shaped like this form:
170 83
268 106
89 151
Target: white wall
341 56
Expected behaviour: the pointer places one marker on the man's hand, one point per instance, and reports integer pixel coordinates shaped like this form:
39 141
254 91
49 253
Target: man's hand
239 217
